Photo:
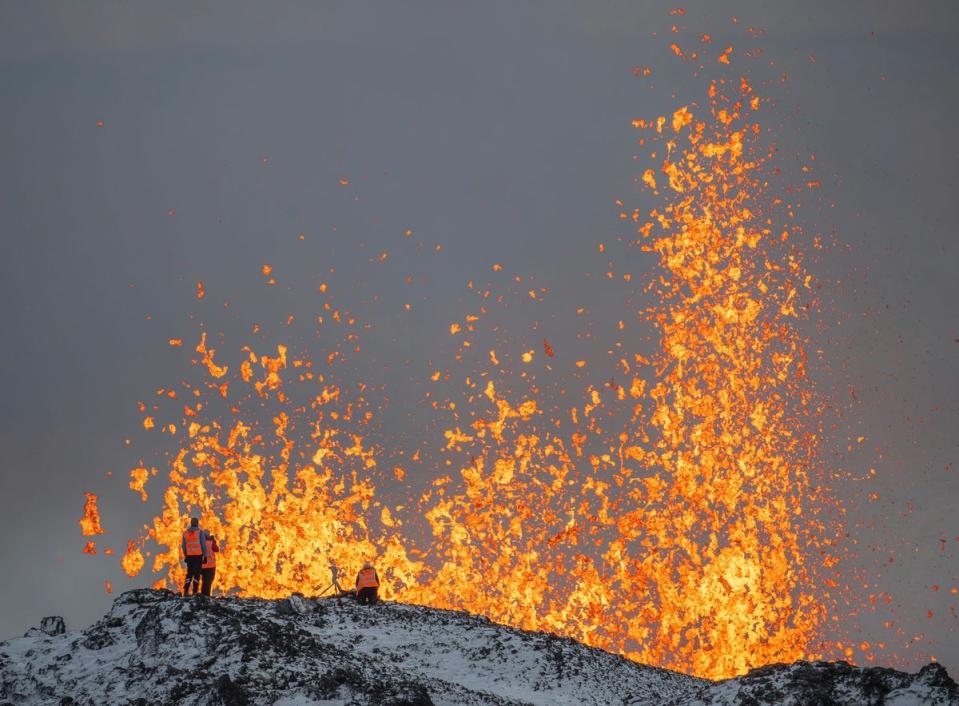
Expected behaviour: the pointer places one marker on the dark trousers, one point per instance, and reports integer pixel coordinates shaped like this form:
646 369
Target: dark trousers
366 596
207 576
194 565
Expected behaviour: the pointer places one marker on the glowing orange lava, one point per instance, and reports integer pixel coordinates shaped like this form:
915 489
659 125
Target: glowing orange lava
90 522
669 518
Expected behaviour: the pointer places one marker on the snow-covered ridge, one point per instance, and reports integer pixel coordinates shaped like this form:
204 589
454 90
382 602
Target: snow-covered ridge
156 648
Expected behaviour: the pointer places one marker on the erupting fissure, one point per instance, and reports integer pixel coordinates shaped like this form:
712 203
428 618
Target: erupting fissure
681 531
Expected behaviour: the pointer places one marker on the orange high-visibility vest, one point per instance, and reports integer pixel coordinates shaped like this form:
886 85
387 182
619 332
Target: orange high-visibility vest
192 537
211 551
367 579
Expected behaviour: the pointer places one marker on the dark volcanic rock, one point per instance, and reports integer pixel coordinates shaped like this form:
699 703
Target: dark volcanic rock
815 683
154 647
51 625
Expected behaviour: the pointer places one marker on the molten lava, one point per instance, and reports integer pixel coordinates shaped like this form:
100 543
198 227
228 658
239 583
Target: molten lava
90 522
670 518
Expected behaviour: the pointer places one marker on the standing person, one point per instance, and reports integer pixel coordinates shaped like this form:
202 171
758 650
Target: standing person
334 572
367 585
208 570
194 552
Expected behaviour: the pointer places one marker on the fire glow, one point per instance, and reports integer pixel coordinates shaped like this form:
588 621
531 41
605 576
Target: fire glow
686 536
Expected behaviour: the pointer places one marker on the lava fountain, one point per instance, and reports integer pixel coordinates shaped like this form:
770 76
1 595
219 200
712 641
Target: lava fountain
673 517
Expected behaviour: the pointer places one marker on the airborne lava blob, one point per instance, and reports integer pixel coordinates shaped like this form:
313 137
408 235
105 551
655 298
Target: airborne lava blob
671 518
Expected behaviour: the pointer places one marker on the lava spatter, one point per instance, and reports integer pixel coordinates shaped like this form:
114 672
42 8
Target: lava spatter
670 517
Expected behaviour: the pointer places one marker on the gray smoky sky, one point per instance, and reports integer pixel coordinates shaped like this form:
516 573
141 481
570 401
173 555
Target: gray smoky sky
500 131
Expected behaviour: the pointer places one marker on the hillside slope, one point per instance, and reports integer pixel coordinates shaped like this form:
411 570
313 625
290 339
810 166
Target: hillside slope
156 648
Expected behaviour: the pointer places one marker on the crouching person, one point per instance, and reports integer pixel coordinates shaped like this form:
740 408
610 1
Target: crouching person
367 585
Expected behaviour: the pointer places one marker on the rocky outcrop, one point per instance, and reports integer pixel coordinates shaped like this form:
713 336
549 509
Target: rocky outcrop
154 647
52 625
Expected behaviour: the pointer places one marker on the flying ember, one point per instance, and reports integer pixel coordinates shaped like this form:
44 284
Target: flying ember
670 512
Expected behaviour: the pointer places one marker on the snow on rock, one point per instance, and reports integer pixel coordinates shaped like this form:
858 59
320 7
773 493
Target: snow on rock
51 625
156 648
833 683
